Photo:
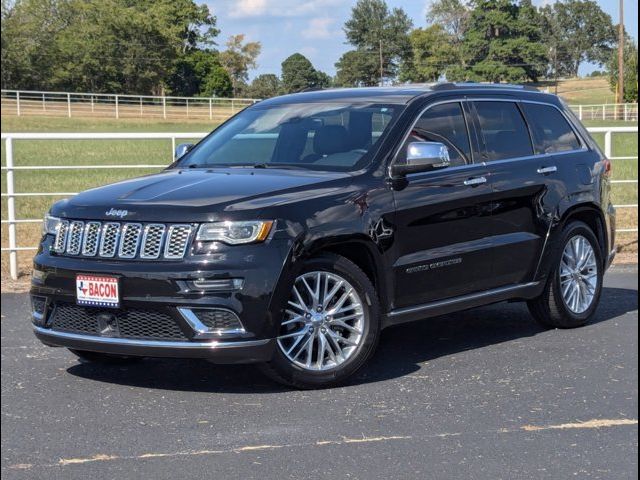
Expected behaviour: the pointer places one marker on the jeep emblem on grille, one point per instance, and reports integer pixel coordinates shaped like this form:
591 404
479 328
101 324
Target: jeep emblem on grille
108 325
116 213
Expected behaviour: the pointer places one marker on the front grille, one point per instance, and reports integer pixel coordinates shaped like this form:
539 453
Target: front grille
123 240
131 323
218 319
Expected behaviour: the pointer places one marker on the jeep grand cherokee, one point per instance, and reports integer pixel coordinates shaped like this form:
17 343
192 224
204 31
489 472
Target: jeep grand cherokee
301 227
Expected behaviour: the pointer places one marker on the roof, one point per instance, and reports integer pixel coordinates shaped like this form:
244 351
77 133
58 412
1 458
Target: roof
399 94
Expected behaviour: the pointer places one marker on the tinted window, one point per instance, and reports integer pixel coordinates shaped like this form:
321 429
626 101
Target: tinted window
551 131
321 136
504 130
445 124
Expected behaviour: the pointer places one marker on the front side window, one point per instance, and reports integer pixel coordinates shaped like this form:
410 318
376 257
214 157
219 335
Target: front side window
551 131
319 136
446 124
504 131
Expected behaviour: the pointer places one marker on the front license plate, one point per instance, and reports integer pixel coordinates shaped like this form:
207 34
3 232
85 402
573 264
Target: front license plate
98 291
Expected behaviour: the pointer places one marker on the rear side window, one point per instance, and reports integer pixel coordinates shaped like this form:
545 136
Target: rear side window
504 131
443 123
551 131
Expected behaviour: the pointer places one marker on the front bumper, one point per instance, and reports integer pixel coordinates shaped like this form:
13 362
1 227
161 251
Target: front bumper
218 351
165 289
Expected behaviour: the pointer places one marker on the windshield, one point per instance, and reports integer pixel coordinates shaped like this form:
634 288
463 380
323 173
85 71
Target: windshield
319 136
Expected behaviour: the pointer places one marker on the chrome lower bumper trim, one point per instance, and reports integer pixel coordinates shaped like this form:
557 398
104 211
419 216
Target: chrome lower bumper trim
210 345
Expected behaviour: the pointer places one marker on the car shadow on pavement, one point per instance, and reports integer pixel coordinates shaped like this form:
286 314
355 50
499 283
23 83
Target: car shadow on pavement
402 350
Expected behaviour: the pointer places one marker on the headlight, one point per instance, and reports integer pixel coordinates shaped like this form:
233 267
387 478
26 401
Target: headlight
50 225
235 233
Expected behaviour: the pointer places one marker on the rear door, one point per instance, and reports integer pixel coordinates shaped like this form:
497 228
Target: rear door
525 189
442 226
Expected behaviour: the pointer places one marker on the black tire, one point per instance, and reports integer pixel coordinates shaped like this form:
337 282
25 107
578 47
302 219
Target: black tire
282 370
550 308
104 358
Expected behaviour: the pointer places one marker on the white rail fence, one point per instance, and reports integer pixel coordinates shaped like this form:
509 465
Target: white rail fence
627 112
10 168
68 104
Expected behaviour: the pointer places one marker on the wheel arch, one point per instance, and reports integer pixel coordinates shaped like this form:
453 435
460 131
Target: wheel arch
363 252
590 214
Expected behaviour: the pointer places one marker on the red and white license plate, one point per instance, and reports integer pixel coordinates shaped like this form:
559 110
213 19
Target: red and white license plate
98 291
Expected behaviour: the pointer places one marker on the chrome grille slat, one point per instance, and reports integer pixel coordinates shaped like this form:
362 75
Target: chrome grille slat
126 240
109 241
91 238
60 243
130 238
74 237
177 240
152 241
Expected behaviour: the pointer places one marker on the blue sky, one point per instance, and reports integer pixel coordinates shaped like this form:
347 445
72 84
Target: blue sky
314 27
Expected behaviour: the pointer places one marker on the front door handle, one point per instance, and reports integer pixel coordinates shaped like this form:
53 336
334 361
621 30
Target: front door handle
545 170
475 181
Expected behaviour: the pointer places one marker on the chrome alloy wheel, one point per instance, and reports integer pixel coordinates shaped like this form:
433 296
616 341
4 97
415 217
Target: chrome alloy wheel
324 322
578 274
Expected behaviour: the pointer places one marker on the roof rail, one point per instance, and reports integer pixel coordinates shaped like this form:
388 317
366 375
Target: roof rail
453 85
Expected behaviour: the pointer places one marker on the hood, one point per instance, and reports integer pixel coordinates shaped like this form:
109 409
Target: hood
192 195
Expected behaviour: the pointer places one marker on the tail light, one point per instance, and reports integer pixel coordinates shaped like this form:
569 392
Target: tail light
607 167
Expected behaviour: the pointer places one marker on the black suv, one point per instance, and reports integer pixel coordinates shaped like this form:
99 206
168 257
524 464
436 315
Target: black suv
304 225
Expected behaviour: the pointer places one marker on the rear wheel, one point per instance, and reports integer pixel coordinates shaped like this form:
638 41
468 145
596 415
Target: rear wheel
105 358
573 290
330 325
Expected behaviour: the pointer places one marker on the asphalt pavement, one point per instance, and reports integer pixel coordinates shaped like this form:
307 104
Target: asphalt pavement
482 394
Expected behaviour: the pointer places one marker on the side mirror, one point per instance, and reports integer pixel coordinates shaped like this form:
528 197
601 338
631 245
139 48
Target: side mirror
423 157
182 149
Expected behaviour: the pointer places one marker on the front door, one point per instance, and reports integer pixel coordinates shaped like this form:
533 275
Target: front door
443 233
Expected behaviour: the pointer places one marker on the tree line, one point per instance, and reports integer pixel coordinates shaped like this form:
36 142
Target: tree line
169 47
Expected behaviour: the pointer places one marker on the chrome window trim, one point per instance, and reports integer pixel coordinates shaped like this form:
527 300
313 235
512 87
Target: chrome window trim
546 104
413 124
471 99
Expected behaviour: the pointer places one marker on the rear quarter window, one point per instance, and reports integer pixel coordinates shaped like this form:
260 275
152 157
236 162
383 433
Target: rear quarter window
551 131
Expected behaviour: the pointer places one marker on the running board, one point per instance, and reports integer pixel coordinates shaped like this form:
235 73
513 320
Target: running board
463 302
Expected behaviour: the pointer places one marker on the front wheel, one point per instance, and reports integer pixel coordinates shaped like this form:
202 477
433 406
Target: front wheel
330 325
573 290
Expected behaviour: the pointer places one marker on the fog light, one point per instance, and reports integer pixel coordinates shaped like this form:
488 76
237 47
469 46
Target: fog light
38 309
212 322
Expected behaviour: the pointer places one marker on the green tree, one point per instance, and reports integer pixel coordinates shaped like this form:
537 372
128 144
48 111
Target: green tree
433 53
630 71
357 68
451 15
376 31
503 42
199 72
266 85
99 45
578 31
238 59
298 73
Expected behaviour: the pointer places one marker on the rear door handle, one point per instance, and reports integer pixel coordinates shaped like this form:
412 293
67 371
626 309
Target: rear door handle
475 181
545 170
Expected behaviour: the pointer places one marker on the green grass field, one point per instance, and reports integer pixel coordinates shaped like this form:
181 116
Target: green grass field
158 152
